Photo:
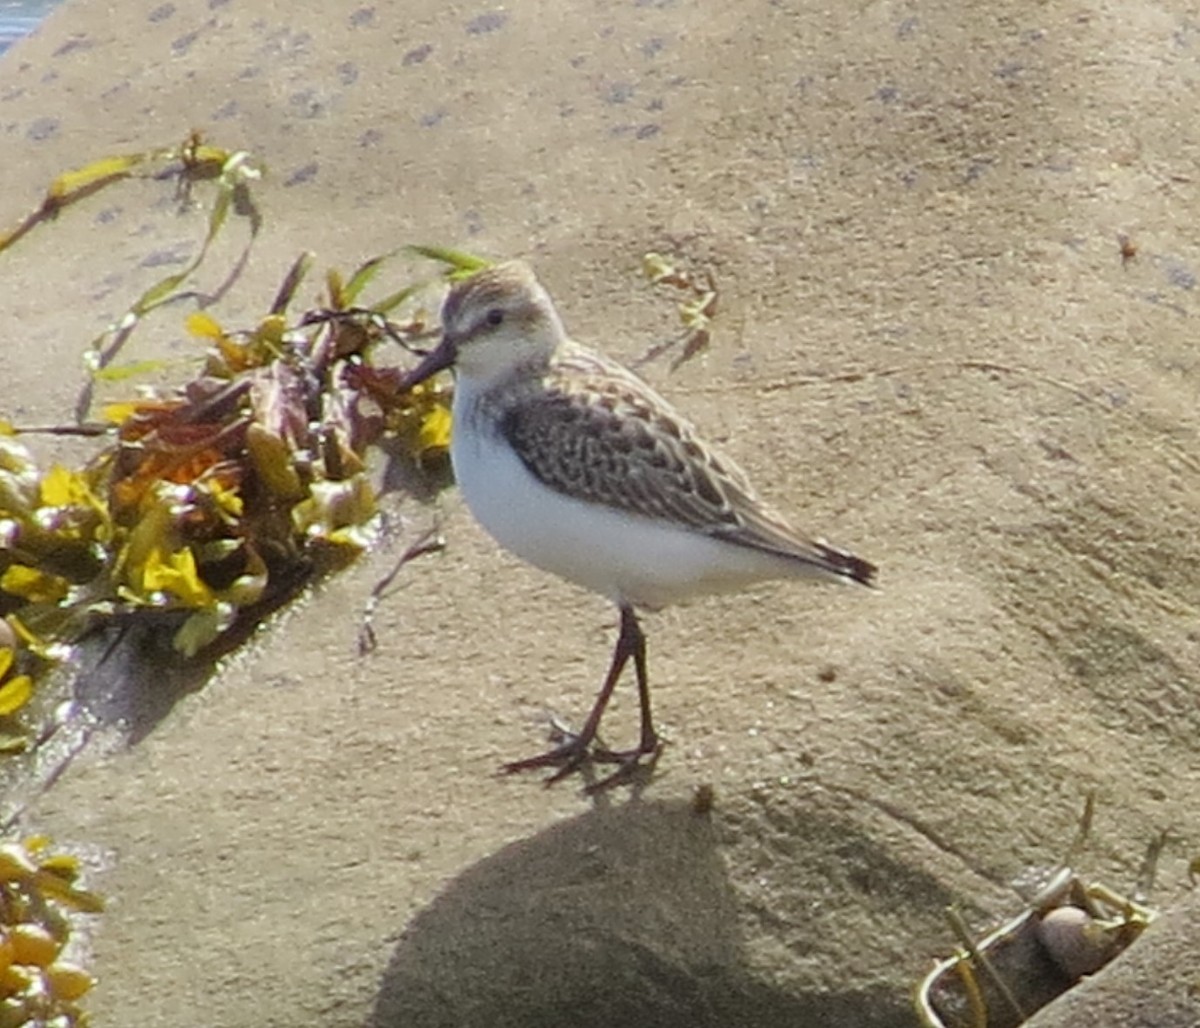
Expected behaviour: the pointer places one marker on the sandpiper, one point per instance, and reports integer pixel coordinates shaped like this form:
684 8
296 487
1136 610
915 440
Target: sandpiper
577 466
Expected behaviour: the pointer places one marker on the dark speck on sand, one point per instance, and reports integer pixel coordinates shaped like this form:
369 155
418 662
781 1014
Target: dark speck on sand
484 23
301 175
416 55
42 129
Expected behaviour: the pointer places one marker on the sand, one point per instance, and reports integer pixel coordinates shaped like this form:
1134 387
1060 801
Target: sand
930 349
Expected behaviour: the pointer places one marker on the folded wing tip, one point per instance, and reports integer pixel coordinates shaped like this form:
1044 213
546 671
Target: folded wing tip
846 565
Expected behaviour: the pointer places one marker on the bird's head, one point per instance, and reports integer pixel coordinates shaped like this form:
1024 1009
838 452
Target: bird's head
498 319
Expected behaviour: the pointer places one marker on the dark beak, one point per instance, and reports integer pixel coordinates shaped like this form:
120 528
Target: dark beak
438 359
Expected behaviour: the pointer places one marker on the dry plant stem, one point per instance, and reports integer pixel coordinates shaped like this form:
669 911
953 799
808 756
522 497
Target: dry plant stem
979 1015
1083 831
430 541
959 927
89 430
1149 869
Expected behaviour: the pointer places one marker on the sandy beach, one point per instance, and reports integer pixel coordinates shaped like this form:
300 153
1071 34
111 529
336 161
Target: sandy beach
957 251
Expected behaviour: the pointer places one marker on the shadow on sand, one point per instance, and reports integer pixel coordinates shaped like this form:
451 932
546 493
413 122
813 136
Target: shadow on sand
623 916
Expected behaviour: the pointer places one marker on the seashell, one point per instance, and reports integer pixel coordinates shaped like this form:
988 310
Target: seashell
1076 941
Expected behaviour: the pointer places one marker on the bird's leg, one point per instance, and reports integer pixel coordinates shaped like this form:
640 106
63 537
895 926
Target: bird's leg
574 750
650 745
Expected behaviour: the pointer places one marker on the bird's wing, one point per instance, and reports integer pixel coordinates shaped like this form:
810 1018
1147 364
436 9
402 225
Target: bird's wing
606 437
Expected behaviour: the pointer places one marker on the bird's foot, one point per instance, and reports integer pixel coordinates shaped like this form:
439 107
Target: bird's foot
571 753
642 759
567 757
574 753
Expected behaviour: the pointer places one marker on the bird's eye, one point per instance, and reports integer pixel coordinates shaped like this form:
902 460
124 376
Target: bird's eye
495 317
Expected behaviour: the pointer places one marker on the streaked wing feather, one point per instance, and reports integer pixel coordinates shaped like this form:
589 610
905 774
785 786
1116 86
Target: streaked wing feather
595 445
595 431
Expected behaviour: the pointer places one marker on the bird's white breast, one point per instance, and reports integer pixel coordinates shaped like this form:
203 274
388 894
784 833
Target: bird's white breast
626 557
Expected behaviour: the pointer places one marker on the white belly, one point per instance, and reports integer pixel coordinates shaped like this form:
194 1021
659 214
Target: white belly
629 559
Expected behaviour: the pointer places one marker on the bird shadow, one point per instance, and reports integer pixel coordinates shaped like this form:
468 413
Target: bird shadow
624 915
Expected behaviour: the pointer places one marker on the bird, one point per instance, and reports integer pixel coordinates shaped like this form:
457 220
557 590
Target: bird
575 464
